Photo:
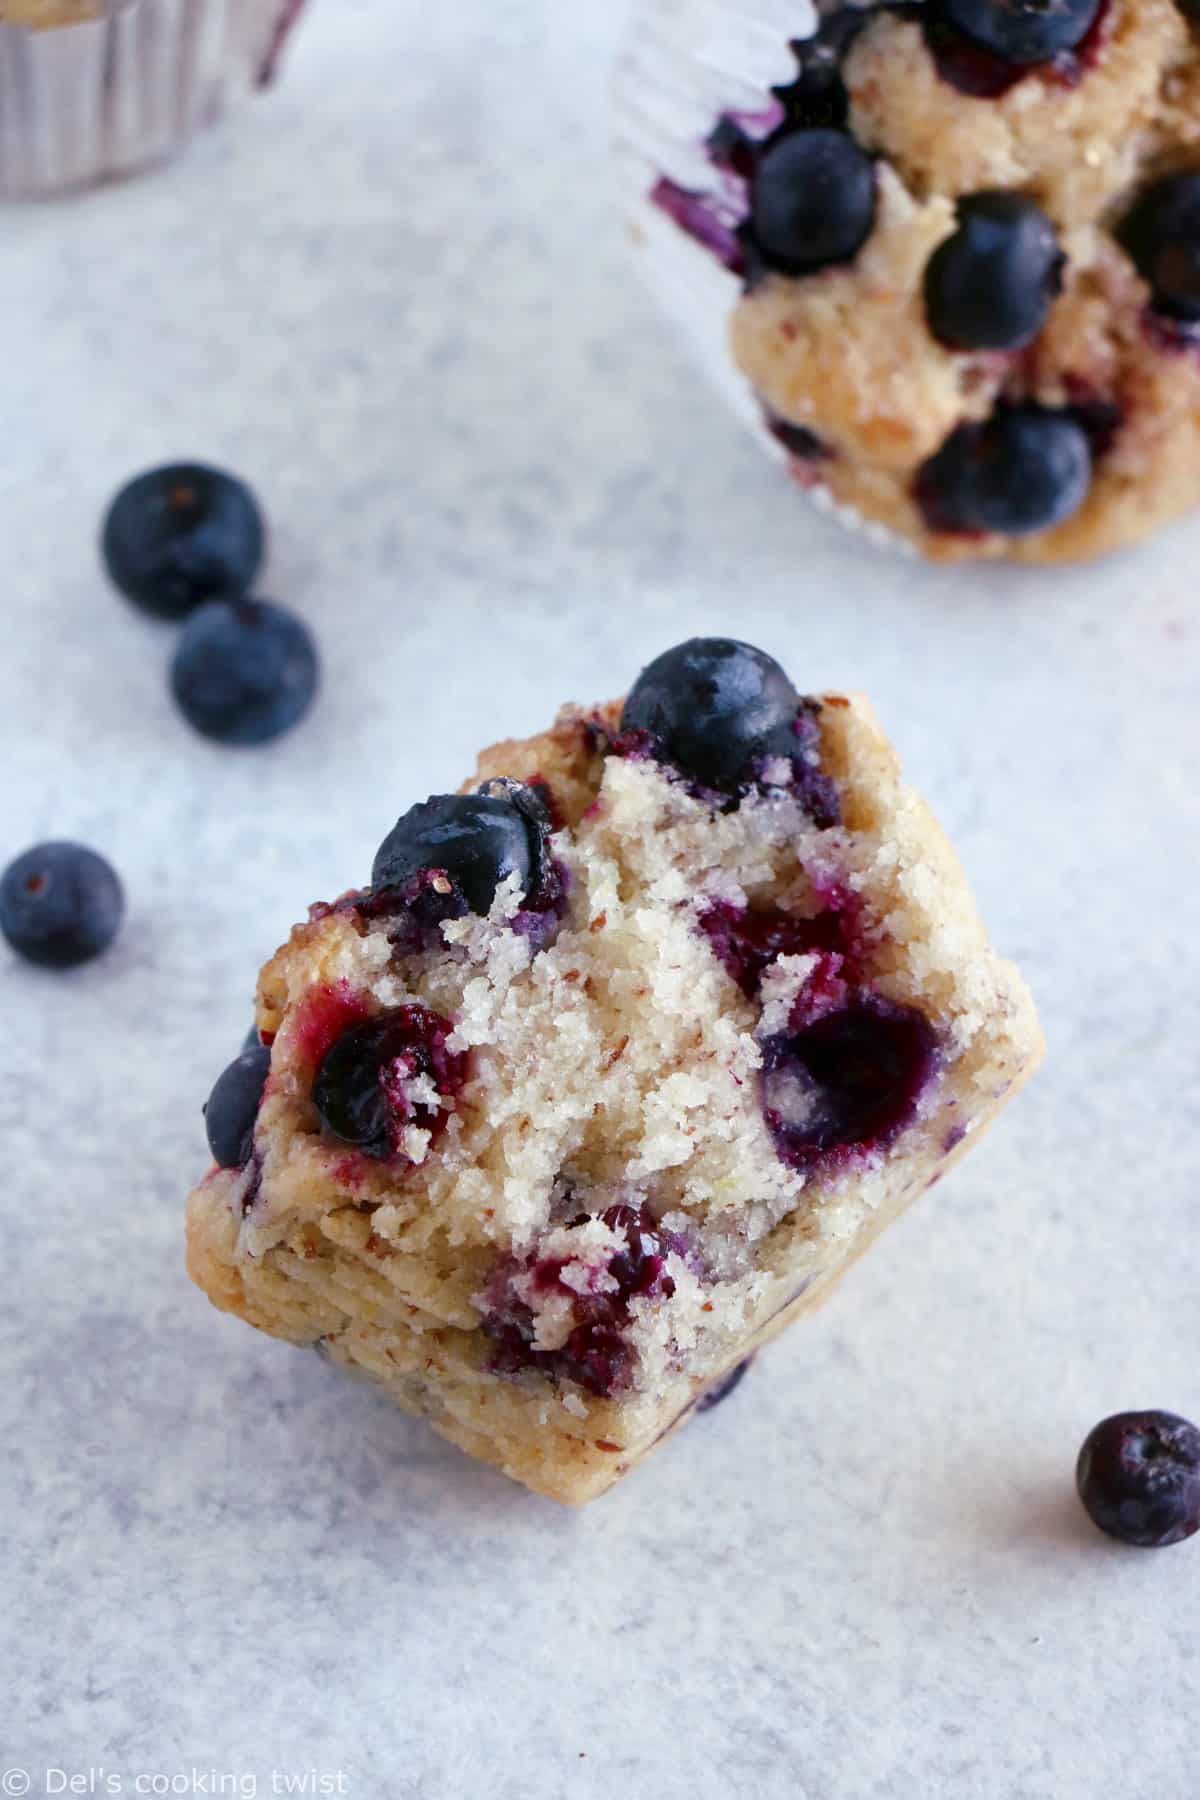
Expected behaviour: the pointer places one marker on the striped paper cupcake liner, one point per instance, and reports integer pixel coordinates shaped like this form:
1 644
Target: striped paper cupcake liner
91 90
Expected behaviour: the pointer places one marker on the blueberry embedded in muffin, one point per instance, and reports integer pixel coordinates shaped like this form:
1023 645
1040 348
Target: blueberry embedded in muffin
550 1185
387 1077
1017 32
1161 232
479 841
1027 240
991 285
812 202
232 1107
725 716
1024 470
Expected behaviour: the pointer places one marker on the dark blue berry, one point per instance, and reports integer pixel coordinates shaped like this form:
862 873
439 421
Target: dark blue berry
850 1080
797 440
1138 1475
60 905
252 1039
233 1107
1023 470
181 535
531 802
812 201
360 1087
818 97
1161 233
989 287
714 708
1021 31
478 840
245 671
724 1387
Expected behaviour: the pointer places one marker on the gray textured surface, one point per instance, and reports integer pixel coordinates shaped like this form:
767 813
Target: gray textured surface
394 295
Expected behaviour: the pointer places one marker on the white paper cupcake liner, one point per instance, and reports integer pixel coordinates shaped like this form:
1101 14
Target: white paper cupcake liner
686 63
88 101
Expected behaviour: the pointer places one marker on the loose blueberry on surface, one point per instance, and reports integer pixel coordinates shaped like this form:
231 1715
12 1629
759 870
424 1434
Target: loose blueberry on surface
61 904
233 1107
1021 31
1161 232
714 708
1023 470
812 201
245 671
361 1086
851 1079
1138 1476
478 840
723 1389
181 535
990 285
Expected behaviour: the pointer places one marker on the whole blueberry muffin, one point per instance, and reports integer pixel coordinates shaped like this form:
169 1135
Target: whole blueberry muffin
626 1053
961 245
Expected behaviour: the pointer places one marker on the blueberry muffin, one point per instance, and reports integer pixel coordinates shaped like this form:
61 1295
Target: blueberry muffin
627 1052
967 238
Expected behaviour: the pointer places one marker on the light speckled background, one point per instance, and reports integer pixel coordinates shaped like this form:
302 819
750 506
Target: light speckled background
394 294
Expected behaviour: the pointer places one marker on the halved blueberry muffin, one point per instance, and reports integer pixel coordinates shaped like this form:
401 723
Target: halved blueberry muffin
627 1052
967 237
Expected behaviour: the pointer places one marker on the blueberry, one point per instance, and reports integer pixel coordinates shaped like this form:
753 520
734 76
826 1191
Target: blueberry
989 287
797 440
60 905
812 201
532 802
714 708
245 671
233 1107
851 1079
478 840
181 535
1161 233
1025 469
1021 31
749 942
713 1396
1138 1476
363 1090
597 1353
